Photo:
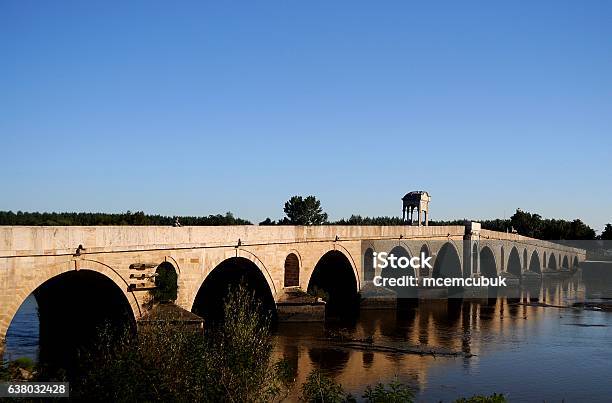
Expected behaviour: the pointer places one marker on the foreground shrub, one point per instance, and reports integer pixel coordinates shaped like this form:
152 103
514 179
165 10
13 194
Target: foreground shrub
394 392
166 362
241 351
320 388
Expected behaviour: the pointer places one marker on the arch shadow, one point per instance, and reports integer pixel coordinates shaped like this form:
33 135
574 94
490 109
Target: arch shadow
334 280
488 266
514 263
552 262
447 262
534 263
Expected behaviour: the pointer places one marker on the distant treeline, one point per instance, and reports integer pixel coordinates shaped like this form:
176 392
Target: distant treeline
494 225
524 223
127 218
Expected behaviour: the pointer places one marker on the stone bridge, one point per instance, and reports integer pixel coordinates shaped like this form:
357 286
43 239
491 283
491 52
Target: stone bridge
90 270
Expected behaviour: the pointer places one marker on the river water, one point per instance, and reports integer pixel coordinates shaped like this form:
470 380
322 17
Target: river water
22 336
529 353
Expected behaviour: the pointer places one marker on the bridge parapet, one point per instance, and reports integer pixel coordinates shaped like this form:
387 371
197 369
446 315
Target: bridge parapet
520 239
29 240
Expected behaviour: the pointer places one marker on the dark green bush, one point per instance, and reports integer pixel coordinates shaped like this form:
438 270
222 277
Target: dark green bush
320 388
394 392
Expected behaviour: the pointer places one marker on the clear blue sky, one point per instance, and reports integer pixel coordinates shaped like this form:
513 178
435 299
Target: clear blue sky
203 107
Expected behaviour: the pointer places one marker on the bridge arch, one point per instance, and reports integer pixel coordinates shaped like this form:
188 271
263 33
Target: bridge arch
340 249
334 279
407 247
575 263
48 272
247 254
488 265
209 299
514 262
552 262
544 261
76 299
398 251
403 255
525 259
425 249
565 263
534 263
448 263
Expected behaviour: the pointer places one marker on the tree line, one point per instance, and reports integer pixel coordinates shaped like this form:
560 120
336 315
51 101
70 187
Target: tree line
521 222
127 218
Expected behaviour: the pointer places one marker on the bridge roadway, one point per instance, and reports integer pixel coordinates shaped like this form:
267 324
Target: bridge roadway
283 258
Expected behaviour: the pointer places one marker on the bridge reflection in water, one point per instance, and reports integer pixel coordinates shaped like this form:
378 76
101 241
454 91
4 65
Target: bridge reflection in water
506 345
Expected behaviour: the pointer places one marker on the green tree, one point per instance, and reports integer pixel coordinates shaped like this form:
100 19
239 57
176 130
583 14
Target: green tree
394 392
243 349
526 223
606 234
579 230
532 225
320 388
305 211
